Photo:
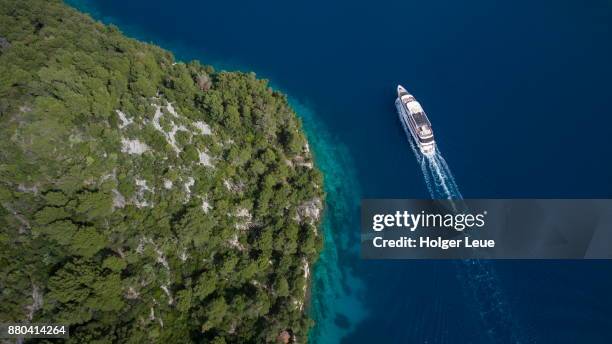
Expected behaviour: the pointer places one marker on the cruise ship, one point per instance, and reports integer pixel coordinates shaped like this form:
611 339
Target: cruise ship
415 120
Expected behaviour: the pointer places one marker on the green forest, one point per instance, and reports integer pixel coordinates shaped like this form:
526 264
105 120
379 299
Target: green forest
144 199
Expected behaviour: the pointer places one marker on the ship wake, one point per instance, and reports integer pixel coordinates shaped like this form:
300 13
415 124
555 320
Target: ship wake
478 277
438 177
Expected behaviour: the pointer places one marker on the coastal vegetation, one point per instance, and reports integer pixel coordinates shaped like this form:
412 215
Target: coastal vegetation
144 199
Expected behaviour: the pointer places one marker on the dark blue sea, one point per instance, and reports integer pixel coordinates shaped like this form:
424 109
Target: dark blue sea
520 97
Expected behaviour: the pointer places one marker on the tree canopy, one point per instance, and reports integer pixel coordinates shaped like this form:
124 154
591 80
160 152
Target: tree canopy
144 199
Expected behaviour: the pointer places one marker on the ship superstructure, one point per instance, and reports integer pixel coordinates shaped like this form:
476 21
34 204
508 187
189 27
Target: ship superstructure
415 120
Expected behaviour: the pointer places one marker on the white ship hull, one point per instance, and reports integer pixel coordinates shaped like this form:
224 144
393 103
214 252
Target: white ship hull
415 121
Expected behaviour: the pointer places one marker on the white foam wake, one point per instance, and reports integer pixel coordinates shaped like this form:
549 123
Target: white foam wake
478 277
438 177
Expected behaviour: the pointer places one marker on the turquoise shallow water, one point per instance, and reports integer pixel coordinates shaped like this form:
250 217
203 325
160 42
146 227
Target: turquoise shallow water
511 89
336 296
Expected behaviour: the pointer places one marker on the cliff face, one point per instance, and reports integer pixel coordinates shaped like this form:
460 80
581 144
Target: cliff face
143 199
